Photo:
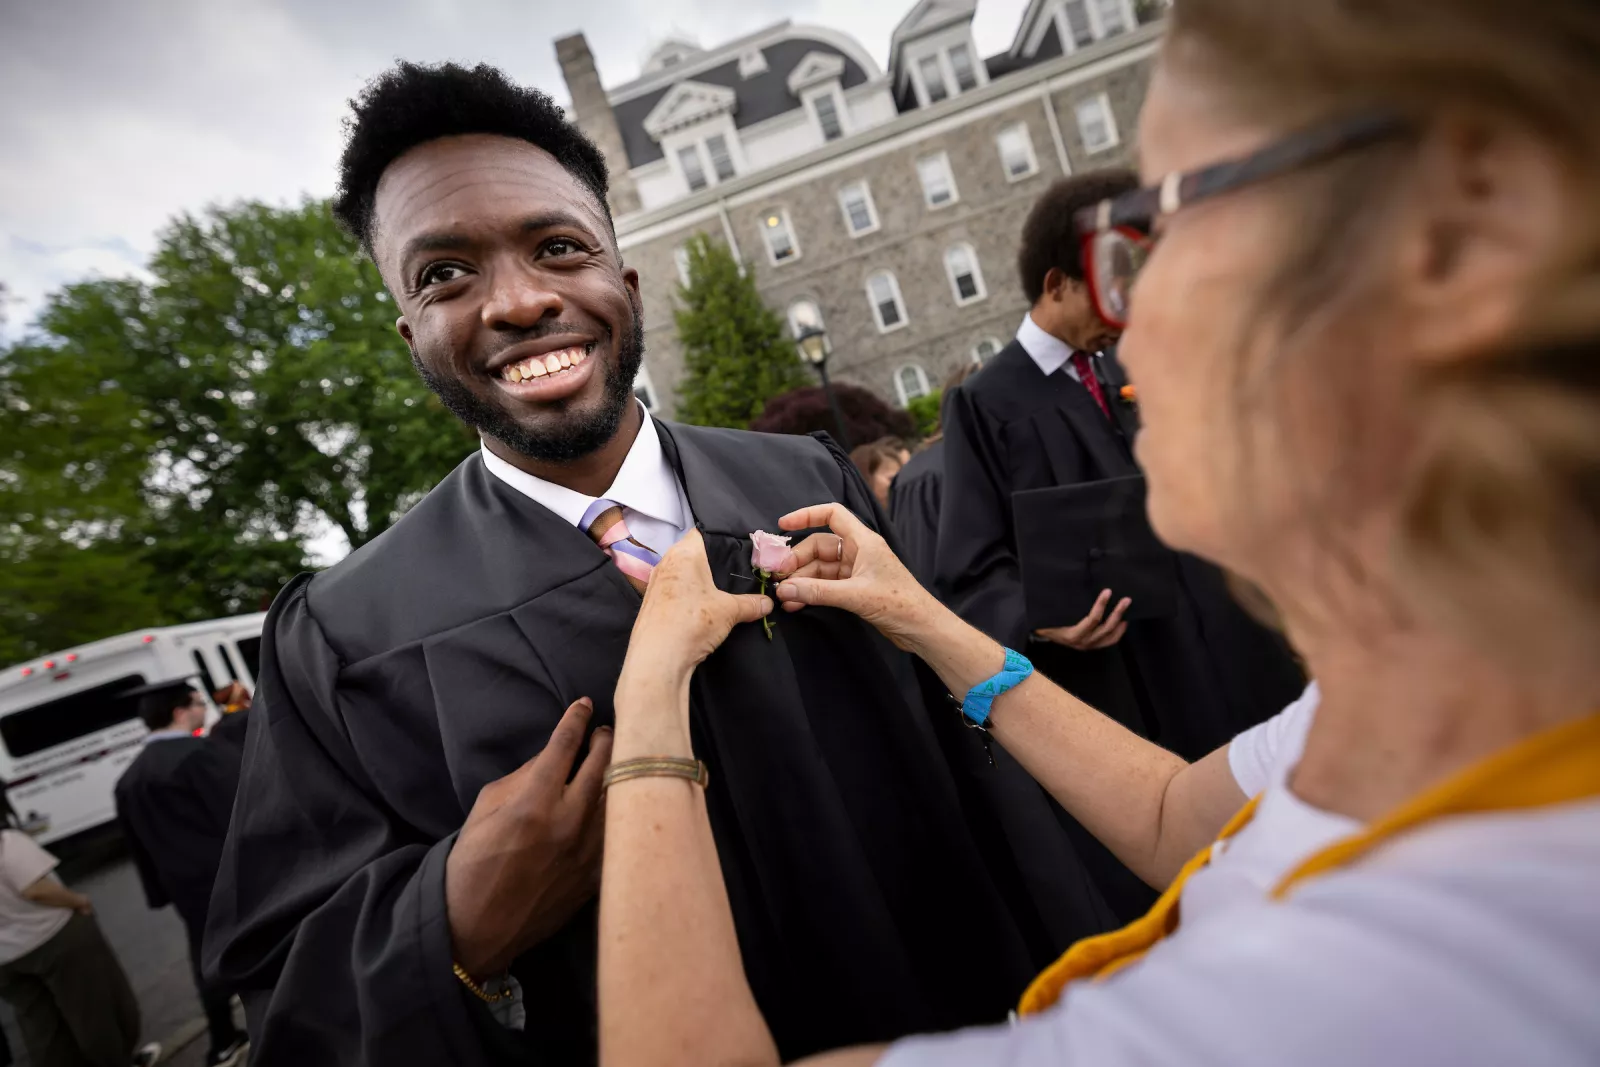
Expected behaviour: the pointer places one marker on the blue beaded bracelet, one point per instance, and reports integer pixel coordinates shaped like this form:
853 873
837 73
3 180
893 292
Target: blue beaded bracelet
981 697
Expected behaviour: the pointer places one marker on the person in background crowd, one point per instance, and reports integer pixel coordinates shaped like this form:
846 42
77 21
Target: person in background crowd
1050 410
74 1005
879 461
1367 344
174 802
234 700
915 494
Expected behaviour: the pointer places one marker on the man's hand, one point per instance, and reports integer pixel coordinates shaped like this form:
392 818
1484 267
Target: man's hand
529 855
1094 630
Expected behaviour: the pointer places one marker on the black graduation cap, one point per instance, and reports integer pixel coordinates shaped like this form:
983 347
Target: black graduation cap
184 684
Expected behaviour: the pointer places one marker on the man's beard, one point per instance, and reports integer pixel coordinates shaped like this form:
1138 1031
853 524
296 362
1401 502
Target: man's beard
569 440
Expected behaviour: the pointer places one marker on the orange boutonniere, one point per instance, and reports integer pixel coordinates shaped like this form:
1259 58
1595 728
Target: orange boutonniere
1128 395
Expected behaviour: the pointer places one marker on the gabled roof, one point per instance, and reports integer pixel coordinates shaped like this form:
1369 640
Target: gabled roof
928 16
815 67
686 103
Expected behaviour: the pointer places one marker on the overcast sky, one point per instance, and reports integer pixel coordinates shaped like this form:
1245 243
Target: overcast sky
117 114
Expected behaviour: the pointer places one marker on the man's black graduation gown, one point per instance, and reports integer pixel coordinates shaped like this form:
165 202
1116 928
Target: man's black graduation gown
1190 680
173 802
884 877
914 497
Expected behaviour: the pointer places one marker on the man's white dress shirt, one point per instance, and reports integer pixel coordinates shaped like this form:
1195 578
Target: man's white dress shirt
654 504
1047 350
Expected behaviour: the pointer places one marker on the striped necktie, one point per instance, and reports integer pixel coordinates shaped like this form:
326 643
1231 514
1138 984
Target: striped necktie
603 522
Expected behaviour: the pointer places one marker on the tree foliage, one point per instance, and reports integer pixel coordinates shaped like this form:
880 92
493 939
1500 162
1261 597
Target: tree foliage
736 353
867 417
170 442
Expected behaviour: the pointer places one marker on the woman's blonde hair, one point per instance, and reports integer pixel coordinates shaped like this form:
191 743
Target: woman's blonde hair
1501 512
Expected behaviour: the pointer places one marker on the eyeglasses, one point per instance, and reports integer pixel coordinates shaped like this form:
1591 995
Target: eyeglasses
1115 241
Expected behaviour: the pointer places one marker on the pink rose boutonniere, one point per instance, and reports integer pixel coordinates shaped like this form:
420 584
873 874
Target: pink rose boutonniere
768 555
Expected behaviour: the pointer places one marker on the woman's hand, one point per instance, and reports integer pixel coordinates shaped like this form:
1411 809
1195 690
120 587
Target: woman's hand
853 568
685 616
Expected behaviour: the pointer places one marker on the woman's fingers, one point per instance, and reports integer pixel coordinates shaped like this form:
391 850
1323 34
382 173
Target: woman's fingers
749 607
795 592
836 517
819 546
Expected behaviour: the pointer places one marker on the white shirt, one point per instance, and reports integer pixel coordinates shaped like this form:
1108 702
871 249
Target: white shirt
1473 940
654 504
24 925
1050 352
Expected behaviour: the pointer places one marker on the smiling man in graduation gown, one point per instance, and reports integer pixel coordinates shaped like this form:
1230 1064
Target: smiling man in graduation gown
1048 423
377 903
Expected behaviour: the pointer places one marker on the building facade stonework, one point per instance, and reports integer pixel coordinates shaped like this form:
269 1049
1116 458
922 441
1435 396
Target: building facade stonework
887 205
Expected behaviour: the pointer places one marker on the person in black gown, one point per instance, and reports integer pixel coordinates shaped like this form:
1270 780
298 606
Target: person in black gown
173 803
410 873
916 492
1054 408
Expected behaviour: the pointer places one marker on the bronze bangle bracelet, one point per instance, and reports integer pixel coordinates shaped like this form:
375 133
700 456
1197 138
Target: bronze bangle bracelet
691 770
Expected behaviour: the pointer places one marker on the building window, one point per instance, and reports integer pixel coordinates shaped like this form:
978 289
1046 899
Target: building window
860 213
827 109
961 65
910 382
1113 17
680 259
887 307
938 184
1078 24
1016 152
781 247
803 313
644 390
966 279
752 63
985 350
721 160
694 172
1096 125
932 78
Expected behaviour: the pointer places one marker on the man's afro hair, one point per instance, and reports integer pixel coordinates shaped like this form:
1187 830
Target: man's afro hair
411 104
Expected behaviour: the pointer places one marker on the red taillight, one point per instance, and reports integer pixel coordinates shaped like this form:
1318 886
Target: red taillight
72 657
49 664
27 671
148 638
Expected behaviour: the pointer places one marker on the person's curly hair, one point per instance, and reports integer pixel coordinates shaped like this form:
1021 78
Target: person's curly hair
1049 238
411 104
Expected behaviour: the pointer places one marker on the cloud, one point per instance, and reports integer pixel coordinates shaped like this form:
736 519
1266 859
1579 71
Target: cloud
122 115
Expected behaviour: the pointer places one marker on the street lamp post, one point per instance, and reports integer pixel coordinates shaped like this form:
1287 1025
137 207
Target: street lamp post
815 349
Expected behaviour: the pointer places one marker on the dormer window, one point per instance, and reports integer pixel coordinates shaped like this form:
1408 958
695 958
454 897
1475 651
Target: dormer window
961 63
943 67
694 172
1083 22
827 116
932 78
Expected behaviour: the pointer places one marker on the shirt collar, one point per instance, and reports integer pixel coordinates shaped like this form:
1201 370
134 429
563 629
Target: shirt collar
645 484
171 734
1047 350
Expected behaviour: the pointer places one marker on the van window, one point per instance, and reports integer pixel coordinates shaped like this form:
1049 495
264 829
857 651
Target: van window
69 718
227 661
212 685
250 652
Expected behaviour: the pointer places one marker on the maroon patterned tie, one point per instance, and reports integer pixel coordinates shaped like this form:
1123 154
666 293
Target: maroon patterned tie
1085 369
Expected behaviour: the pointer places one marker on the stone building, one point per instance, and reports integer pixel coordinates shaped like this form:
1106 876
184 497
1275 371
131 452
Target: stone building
884 206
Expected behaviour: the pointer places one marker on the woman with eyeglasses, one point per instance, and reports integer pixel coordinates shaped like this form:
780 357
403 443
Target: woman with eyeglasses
1366 339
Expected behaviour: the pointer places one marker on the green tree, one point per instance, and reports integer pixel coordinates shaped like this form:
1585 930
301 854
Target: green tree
181 436
736 353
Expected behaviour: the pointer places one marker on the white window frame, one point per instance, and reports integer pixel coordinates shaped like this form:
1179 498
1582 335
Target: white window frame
794 239
924 387
695 137
899 301
794 322
943 159
1097 26
830 89
946 79
939 55
992 341
1027 148
972 64
752 63
643 378
711 158
977 274
693 148
680 259
1114 138
872 208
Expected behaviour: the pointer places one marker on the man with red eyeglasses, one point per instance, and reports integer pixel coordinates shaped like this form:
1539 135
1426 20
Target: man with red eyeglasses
1043 541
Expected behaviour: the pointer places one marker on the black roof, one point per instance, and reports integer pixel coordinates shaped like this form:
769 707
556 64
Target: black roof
760 97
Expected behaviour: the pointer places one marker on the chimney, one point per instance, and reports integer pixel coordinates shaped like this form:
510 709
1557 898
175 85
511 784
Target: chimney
592 113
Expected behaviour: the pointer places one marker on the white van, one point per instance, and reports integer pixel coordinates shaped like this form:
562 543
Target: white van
67 733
